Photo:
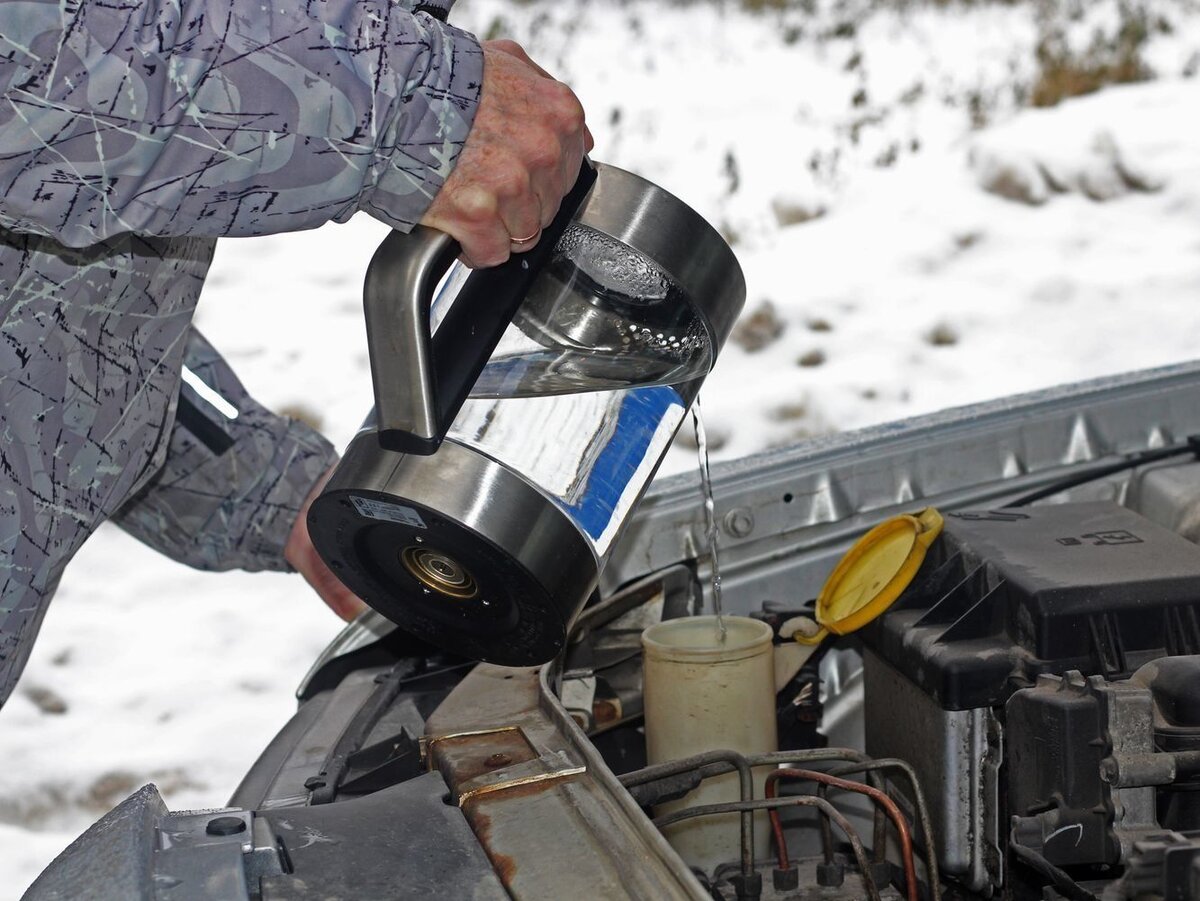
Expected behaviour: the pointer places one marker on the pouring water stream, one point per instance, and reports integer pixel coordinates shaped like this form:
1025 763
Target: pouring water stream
710 514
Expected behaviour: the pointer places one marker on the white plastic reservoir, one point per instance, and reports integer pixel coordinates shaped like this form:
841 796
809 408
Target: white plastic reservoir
702 694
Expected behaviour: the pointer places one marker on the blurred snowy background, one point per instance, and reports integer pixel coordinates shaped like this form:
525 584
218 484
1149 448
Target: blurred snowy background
934 203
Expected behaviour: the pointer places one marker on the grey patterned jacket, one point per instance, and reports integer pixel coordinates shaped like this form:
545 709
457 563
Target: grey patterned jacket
132 135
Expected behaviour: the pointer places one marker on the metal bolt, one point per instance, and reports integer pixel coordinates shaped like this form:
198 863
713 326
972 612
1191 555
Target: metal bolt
498 759
1110 772
739 522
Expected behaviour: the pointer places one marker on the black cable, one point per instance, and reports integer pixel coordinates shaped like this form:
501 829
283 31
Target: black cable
1069 888
1132 461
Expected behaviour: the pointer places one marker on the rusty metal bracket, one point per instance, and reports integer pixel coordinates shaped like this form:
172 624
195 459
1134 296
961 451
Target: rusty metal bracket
427 742
514 779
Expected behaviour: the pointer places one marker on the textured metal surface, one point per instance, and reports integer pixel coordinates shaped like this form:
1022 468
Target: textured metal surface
112 860
1170 496
574 833
957 755
1129 727
139 852
401 842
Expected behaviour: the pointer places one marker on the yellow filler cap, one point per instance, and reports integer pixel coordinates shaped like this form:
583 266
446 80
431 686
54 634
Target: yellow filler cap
874 573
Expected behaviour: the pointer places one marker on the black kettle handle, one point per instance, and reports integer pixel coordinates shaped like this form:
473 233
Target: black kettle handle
422 380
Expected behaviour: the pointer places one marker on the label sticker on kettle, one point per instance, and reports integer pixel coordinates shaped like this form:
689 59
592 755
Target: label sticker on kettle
388 512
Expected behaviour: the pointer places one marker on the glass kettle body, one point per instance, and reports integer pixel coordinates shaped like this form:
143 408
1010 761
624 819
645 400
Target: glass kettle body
521 412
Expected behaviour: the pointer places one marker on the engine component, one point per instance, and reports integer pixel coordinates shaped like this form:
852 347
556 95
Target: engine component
959 748
1092 589
1164 866
1174 683
140 852
1068 739
1012 594
699 683
602 671
873 573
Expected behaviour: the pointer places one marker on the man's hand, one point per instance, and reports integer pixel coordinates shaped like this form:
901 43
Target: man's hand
301 554
520 159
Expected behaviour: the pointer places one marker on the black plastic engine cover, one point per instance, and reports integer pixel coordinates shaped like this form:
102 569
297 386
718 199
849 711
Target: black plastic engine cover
1006 595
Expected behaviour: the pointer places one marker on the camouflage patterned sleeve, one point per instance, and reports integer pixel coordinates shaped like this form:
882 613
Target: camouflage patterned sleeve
235 474
226 117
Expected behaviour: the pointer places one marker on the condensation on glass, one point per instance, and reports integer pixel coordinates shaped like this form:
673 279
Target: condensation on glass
600 316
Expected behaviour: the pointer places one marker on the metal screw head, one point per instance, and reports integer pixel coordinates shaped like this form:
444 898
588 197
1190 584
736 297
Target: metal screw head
498 759
739 522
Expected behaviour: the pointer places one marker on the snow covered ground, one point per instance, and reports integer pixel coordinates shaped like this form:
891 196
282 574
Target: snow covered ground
913 237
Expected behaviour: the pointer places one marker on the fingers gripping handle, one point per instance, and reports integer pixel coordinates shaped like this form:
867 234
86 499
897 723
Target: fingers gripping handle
421 379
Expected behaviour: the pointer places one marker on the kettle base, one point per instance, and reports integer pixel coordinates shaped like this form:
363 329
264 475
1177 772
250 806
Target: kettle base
456 549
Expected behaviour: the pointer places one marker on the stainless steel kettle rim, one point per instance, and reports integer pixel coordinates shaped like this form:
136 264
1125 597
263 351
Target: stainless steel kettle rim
659 226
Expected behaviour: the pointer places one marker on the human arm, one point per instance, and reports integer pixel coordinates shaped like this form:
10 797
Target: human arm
235 481
218 117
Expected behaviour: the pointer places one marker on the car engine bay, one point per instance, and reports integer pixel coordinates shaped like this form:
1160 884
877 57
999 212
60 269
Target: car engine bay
1023 722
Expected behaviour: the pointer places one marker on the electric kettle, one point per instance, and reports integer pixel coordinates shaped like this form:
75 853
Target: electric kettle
520 414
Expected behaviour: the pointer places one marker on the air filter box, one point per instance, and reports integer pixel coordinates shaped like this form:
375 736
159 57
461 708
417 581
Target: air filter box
1002 597
1006 595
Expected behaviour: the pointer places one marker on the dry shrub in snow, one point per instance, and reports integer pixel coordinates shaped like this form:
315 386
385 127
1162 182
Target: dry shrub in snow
758 328
1036 156
942 335
790 210
1112 53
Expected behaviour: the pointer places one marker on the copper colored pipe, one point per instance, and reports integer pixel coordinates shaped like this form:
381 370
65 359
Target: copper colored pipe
880 798
860 855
